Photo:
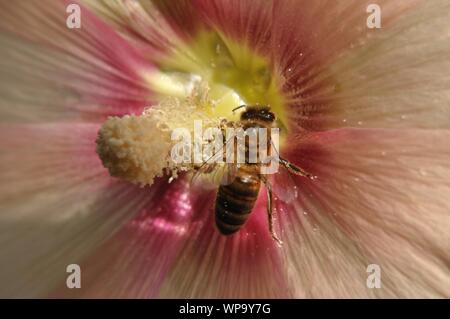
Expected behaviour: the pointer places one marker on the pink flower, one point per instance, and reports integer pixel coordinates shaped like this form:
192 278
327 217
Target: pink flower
366 110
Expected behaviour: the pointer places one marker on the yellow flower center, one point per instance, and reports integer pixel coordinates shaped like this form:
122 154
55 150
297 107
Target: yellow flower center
235 74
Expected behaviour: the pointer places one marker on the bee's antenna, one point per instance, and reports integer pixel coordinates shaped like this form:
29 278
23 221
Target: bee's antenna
237 108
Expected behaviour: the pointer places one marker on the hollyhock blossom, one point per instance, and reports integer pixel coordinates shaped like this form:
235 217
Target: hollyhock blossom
365 110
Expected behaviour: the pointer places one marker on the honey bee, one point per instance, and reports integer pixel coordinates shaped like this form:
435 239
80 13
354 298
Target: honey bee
236 198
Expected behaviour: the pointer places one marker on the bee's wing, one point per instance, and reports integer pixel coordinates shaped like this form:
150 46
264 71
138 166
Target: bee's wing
283 185
214 171
282 182
211 176
226 174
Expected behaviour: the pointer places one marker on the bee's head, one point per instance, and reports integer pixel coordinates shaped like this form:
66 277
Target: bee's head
258 112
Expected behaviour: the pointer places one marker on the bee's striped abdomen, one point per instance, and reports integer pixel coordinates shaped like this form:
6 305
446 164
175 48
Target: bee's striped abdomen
234 202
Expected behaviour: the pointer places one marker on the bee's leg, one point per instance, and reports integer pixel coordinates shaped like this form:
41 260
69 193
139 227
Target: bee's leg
270 210
295 169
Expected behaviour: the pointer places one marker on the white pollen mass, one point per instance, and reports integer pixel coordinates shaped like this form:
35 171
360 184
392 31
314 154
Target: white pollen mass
137 148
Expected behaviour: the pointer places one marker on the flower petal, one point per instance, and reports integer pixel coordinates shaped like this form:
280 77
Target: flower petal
142 24
57 204
346 75
380 198
401 79
245 265
182 15
51 72
172 250
249 22
135 261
